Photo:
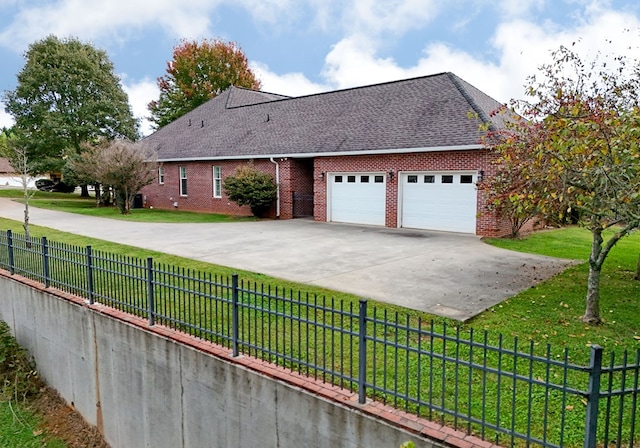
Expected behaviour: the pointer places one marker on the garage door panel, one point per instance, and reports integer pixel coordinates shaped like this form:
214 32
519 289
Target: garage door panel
428 203
361 201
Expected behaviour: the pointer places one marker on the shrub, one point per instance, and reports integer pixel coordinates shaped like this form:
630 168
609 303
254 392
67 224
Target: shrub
18 376
249 186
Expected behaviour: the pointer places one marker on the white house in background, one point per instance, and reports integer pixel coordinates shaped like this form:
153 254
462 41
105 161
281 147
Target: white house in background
10 178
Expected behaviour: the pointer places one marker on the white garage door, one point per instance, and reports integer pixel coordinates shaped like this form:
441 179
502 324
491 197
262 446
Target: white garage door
439 201
357 198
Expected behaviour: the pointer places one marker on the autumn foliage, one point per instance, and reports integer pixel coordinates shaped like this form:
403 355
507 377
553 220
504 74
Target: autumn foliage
198 72
575 153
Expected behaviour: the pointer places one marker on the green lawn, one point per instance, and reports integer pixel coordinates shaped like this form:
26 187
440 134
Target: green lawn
19 427
545 314
73 203
549 312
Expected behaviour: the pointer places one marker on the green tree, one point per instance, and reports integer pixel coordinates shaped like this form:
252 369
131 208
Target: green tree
249 186
67 94
119 164
579 152
197 73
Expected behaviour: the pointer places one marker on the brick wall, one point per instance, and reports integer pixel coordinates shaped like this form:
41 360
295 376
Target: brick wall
296 175
305 176
487 223
199 196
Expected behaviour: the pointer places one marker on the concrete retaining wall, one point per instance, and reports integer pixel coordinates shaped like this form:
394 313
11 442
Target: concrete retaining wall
143 389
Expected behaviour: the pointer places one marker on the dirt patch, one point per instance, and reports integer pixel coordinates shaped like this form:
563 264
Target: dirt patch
63 422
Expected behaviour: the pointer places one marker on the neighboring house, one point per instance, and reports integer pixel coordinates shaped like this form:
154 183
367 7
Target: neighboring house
10 178
397 154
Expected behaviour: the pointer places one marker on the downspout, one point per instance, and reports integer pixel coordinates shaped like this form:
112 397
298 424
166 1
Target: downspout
277 187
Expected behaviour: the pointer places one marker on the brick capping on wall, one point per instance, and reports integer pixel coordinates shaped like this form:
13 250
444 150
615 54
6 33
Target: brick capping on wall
343 397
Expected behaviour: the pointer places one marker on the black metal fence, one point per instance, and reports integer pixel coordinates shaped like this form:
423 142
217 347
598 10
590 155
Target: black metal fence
502 391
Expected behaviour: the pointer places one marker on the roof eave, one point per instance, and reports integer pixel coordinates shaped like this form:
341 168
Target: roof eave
329 153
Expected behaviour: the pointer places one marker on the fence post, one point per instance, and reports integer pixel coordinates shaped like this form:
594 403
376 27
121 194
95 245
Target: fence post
89 275
362 352
12 267
234 314
45 261
150 295
593 397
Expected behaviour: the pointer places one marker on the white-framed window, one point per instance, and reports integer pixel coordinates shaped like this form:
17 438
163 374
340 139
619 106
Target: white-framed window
183 181
217 182
161 174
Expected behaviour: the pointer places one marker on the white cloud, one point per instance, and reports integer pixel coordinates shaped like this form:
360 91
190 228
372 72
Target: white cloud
353 62
140 94
271 11
92 19
520 47
291 84
115 19
518 8
6 120
525 46
396 16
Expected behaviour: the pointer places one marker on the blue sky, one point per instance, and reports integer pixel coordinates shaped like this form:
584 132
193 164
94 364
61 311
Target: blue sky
300 47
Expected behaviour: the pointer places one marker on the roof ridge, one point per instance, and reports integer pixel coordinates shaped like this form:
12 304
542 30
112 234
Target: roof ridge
262 91
228 91
472 102
347 89
329 92
264 97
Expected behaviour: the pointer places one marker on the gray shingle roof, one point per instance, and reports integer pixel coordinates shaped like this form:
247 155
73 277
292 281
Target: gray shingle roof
425 112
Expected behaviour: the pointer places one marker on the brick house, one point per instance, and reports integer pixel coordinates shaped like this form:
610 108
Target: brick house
397 154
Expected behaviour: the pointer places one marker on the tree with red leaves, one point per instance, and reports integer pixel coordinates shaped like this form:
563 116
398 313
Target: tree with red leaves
198 72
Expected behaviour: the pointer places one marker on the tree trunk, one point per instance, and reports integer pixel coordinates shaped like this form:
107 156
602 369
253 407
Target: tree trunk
98 194
25 223
84 191
592 309
637 277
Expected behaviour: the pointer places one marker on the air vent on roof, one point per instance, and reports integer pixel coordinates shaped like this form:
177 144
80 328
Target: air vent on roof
267 118
189 121
202 124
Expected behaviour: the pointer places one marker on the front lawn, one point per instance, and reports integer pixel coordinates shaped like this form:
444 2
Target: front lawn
550 311
73 203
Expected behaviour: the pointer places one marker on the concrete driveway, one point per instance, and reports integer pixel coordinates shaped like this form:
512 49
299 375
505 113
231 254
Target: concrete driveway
447 274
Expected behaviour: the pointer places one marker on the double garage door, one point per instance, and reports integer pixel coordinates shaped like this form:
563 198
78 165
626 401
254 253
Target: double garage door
426 200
